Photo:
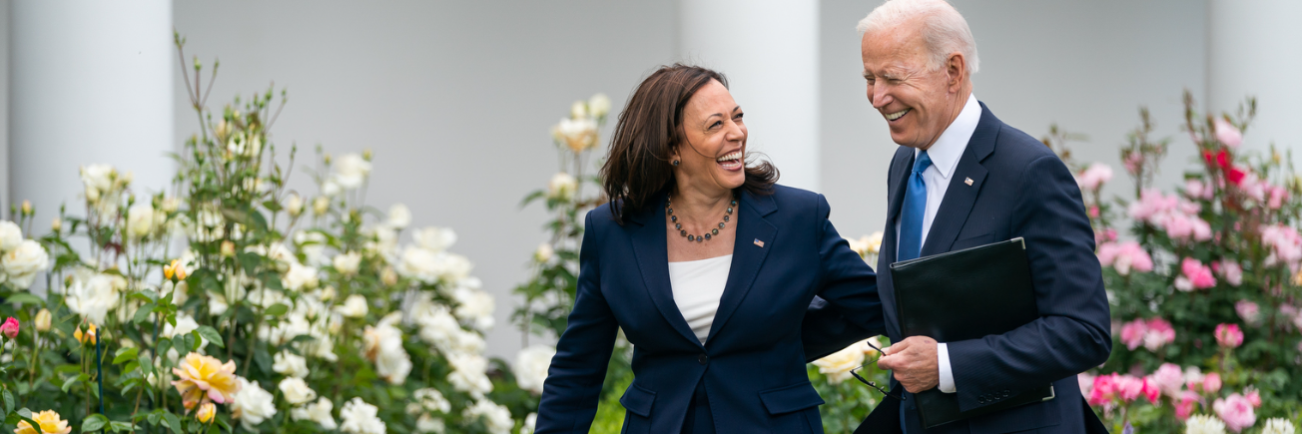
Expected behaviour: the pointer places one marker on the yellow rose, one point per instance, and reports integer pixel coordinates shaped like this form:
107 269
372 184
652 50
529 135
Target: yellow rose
48 420
205 376
206 412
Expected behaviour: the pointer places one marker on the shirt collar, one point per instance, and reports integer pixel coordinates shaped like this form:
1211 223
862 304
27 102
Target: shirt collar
947 150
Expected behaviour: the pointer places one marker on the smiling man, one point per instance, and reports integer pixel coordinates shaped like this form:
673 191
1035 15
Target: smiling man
962 178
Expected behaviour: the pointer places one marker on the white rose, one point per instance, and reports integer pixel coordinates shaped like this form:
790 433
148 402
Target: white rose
599 105
318 412
360 418
290 364
23 263
1204 424
10 236
313 245
429 399
383 344
578 110
531 367
346 264
351 171
430 424
399 216
98 177
140 221
252 405
495 417
320 205
562 186
837 366
530 424
296 391
468 374
300 277
92 297
577 134
475 306
294 205
420 264
354 307
435 239
544 253
1278 426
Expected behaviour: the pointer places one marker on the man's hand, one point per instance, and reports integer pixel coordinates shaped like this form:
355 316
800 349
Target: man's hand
913 361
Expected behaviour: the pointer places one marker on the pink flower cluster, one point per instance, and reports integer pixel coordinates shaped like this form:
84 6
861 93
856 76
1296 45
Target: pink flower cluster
1227 133
1229 336
1178 217
1114 388
1094 176
1194 275
1125 256
1285 245
1196 189
1237 411
1229 270
1153 334
1294 315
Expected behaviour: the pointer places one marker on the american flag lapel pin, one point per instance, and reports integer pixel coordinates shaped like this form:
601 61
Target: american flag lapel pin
759 243
968 181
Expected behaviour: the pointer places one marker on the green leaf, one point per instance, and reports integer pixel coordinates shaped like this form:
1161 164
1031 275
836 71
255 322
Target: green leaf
142 314
25 299
271 205
8 401
146 367
125 355
277 309
212 336
196 340
94 423
121 426
73 381
173 422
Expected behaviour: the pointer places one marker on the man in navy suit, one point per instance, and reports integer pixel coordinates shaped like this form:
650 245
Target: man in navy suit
962 178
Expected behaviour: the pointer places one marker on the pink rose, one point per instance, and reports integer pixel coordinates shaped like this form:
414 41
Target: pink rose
1129 388
1277 197
1227 134
1212 383
1125 256
1132 334
10 328
1229 335
1196 189
1159 333
1284 242
1236 411
1094 176
1151 392
1195 275
1254 397
1185 408
1249 312
1086 382
1151 205
1170 379
1230 270
1104 390
1193 377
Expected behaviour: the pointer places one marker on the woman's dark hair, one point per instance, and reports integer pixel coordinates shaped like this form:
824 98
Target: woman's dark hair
649 128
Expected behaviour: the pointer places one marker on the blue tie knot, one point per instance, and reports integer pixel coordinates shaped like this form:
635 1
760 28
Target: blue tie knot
922 163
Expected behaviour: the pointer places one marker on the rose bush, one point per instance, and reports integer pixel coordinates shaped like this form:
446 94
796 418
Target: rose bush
228 302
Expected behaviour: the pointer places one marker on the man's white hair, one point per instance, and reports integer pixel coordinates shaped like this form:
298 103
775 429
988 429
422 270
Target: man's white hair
944 29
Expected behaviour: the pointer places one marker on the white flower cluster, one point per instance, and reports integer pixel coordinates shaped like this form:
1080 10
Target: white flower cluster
104 187
350 172
495 417
383 345
426 404
1204 424
252 404
360 418
20 260
531 366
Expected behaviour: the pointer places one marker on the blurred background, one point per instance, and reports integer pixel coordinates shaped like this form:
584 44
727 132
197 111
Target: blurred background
457 98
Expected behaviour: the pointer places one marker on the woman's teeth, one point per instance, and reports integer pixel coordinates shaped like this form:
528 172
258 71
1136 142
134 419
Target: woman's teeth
896 115
731 161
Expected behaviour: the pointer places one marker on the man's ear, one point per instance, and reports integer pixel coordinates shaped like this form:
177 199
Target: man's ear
955 71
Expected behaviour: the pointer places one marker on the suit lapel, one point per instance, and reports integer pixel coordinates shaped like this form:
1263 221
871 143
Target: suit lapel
960 196
747 255
652 251
898 180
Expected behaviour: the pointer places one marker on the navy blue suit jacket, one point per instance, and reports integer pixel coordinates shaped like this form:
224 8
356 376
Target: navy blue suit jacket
753 363
1019 188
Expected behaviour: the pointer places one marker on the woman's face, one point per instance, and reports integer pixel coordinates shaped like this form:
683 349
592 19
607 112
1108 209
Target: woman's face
714 155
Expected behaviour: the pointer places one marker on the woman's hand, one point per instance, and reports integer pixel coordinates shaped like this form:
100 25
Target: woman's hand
914 363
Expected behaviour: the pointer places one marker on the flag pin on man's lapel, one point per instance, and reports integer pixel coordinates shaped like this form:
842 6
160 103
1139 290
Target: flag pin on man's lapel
759 243
968 181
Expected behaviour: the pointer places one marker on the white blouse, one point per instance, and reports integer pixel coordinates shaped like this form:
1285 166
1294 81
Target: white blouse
698 286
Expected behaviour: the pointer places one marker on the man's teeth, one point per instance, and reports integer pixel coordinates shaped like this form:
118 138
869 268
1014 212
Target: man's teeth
896 115
736 155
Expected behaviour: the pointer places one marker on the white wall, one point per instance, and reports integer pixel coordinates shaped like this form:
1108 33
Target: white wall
1087 66
456 98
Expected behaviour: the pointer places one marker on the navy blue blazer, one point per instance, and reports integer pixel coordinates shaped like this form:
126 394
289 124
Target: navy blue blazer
1019 188
753 363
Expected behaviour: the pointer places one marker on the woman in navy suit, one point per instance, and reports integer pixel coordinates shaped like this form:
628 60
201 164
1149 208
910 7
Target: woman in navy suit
708 266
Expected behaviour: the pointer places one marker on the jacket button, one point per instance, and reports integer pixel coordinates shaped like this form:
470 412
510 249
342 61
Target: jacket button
703 359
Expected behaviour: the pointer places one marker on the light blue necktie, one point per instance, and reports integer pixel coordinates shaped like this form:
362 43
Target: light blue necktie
915 206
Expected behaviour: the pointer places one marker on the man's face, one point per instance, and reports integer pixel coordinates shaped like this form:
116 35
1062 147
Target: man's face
918 103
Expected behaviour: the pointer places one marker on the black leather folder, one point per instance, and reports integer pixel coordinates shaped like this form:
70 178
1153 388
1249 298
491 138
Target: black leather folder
966 294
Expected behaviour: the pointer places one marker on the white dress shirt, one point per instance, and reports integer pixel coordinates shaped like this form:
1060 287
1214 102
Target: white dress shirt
945 154
698 287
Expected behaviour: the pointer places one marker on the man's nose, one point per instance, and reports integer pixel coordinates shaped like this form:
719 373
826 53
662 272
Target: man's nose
879 96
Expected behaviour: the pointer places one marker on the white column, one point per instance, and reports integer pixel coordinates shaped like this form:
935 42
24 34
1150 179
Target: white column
768 49
1252 50
91 82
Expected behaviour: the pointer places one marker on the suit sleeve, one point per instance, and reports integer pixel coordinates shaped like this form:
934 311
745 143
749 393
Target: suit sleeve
574 380
849 287
1073 332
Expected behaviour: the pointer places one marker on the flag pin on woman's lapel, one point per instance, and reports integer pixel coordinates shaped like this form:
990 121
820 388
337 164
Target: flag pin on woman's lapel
759 243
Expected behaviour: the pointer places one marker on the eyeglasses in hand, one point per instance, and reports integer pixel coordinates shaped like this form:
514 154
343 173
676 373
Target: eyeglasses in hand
855 373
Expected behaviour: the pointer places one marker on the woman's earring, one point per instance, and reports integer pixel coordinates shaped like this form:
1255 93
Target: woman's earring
675 163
